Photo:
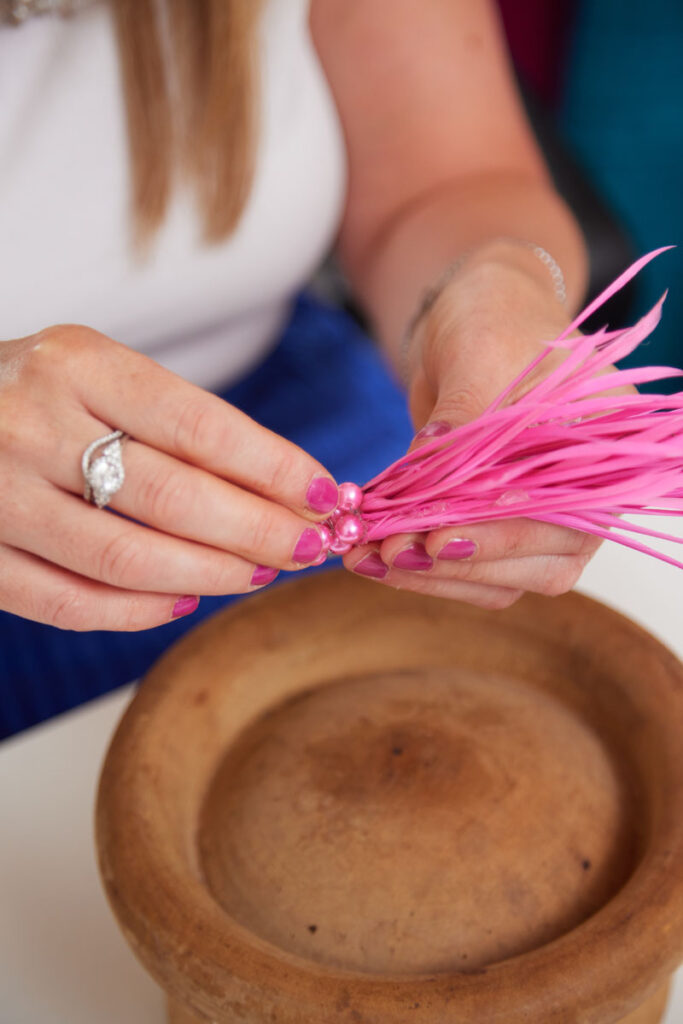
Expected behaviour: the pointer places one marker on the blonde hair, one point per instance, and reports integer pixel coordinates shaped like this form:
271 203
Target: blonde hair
189 79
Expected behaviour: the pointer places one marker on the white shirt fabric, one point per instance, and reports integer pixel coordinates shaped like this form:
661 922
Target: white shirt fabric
209 313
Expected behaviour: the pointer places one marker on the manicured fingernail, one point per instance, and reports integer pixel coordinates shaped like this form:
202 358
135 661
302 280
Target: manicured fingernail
322 495
263 574
184 606
456 549
308 547
372 565
434 429
414 558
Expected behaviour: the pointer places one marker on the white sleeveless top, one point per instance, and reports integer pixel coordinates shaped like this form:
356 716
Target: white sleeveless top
209 313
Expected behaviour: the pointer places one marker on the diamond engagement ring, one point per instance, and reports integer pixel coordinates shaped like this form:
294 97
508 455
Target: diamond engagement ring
103 468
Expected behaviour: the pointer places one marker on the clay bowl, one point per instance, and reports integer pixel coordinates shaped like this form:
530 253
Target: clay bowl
336 802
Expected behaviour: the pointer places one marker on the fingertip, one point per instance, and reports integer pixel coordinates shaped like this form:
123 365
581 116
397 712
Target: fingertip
322 495
371 566
457 549
185 606
390 546
263 575
365 560
357 552
308 548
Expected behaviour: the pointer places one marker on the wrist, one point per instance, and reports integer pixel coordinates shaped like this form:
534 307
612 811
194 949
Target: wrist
489 273
528 257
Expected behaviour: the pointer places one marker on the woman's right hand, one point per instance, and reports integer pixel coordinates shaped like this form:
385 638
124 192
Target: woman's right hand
210 498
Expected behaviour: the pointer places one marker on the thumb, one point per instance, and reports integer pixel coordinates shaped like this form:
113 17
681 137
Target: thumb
458 401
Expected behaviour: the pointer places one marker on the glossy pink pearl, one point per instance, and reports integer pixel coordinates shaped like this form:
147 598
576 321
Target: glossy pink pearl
332 518
326 535
322 557
339 546
350 529
350 497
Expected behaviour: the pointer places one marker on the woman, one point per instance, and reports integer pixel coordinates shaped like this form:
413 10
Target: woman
396 127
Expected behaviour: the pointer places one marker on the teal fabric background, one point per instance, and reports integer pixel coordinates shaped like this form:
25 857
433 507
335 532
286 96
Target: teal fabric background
623 116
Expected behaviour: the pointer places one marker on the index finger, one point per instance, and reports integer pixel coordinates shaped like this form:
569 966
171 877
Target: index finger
166 412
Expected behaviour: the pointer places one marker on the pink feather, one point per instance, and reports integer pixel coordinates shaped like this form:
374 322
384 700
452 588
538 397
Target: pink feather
563 452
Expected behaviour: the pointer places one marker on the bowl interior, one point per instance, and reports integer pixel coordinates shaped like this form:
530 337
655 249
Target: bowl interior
418 821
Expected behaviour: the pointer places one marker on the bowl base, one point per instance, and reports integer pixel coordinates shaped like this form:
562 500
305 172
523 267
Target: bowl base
649 1012
177 1014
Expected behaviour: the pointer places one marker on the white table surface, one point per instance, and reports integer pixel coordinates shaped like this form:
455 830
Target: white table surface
62 960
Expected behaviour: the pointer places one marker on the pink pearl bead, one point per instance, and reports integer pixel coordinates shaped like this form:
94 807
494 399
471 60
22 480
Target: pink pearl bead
332 518
350 497
350 529
326 535
322 557
339 546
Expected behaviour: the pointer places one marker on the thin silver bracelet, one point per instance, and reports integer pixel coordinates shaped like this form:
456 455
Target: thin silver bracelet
431 294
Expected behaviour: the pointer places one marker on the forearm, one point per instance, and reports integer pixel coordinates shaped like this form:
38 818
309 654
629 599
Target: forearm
471 216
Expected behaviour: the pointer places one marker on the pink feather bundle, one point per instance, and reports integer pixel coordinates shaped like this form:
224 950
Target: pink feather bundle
564 452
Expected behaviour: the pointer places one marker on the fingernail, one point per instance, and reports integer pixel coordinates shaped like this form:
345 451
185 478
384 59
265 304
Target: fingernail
414 558
456 549
184 606
263 574
308 547
434 429
322 495
372 565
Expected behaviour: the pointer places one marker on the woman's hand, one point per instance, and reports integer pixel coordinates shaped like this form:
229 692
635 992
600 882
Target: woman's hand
212 503
485 327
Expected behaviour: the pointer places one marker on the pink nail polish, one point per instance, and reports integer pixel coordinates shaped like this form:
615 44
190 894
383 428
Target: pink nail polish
414 558
437 428
263 574
457 549
308 547
322 495
372 565
184 606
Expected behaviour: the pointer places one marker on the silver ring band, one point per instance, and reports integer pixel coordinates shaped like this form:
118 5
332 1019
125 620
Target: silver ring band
102 467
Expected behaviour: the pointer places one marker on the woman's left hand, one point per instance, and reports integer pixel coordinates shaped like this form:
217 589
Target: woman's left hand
485 327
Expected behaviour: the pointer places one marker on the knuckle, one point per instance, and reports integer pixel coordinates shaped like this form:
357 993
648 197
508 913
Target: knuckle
513 543
163 495
588 545
281 473
259 531
135 616
496 598
466 570
55 346
13 417
504 599
195 430
219 576
461 404
31 365
121 560
69 609
577 566
560 581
